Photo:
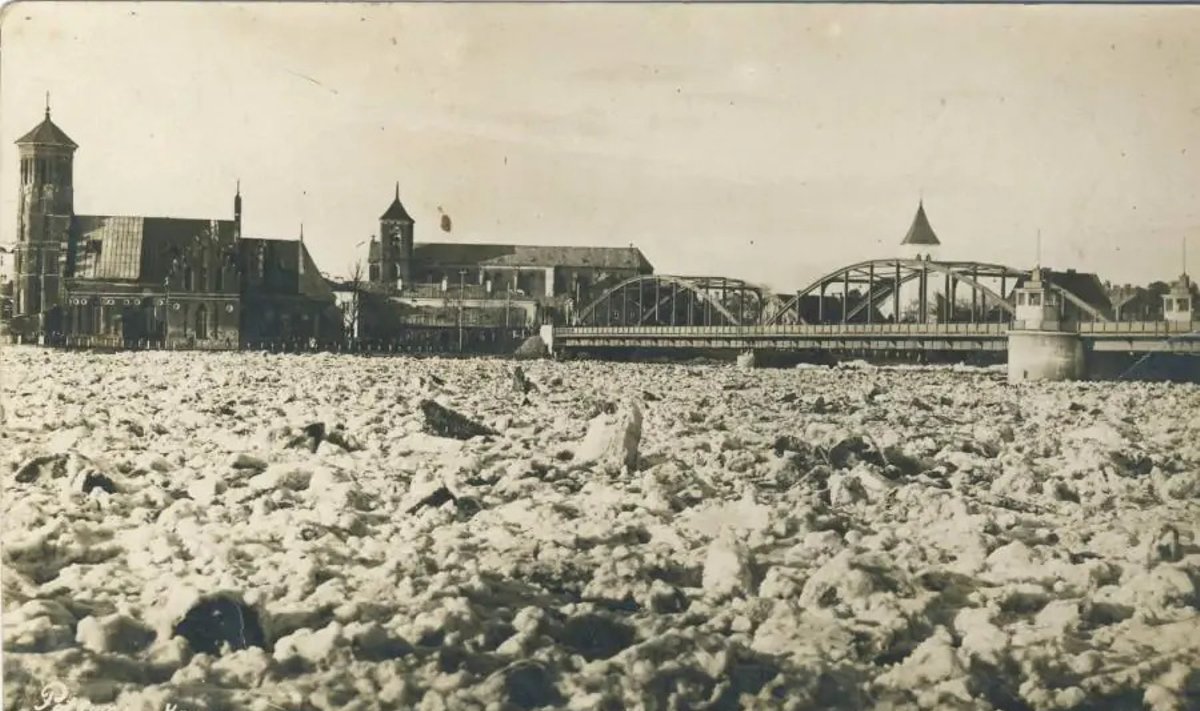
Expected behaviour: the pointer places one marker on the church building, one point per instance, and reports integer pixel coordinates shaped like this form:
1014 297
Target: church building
486 283
167 281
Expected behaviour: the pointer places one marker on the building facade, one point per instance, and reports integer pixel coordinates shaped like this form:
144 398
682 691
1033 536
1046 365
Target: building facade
121 279
481 284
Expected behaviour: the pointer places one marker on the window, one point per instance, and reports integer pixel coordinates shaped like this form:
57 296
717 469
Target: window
220 279
1035 299
1181 304
201 322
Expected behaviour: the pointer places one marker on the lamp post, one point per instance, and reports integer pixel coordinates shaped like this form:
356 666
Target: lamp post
462 275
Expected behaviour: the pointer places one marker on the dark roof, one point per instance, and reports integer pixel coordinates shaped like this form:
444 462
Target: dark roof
460 254
396 211
920 232
1085 285
136 248
281 268
47 134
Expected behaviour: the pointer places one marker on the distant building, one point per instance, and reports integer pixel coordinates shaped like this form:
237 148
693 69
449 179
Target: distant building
8 265
8 271
482 284
1134 303
193 282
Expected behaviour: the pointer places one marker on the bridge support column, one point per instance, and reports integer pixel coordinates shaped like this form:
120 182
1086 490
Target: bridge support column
1045 355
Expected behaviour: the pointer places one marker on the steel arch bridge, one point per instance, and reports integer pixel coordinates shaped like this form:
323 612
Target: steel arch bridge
857 293
884 280
665 300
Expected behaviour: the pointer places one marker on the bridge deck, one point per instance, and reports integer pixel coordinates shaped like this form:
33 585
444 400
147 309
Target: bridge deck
1138 336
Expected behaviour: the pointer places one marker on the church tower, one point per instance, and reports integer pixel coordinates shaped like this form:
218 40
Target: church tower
395 245
44 214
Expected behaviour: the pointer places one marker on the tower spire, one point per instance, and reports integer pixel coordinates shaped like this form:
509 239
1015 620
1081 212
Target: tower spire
47 104
397 189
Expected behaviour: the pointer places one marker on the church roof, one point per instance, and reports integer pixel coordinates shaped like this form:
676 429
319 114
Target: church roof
137 248
514 255
920 232
47 134
396 211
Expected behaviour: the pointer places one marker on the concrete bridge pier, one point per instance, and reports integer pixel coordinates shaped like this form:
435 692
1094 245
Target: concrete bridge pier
1045 355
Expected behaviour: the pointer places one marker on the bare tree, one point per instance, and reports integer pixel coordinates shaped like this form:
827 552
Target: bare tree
351 300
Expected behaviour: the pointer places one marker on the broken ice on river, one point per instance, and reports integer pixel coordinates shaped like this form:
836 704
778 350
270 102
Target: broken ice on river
319 531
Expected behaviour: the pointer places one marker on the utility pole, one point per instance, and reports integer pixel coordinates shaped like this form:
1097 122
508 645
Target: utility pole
462 275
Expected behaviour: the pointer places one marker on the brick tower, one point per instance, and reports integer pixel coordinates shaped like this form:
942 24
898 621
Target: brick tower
43 226
395 245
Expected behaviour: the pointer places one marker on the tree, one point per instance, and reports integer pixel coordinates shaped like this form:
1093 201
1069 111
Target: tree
350 300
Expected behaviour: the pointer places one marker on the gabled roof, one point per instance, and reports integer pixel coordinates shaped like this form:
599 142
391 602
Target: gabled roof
460 254
47 134
136 248
920 232
396 211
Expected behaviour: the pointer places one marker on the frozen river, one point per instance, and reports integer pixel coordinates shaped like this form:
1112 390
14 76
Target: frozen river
245 531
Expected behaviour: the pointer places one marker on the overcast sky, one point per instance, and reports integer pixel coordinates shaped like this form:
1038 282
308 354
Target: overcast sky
768 142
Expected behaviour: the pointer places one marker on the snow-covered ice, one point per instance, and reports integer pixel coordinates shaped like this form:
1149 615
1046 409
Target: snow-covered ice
259 532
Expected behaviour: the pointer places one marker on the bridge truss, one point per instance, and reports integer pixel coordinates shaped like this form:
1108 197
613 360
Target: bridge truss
862 292
664 300
870 292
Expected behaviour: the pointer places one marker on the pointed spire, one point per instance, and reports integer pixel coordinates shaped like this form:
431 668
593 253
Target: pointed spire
301 231
921 232
238 192
47 104
396 210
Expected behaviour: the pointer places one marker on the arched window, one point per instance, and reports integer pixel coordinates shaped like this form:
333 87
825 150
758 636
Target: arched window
201 322
202 278
188 283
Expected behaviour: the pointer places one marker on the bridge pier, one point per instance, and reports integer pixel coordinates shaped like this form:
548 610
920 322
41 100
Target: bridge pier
1045 355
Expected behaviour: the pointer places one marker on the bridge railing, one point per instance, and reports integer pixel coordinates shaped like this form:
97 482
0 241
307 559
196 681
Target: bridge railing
1153 328
828 330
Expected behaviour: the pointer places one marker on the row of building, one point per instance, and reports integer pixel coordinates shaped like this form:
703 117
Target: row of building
202 283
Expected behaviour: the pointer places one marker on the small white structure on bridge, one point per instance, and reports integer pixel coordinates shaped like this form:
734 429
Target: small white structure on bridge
1037 305
1177 303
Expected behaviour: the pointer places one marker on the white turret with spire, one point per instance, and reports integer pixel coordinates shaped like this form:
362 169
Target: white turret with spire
921 242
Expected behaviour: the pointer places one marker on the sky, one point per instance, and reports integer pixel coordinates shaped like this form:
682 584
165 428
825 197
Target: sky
773 143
